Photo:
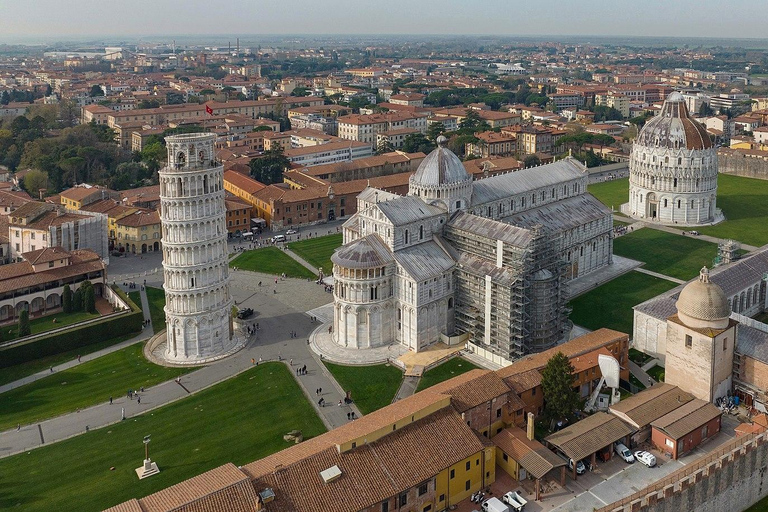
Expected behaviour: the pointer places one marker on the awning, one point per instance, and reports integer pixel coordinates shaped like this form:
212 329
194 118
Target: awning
589 435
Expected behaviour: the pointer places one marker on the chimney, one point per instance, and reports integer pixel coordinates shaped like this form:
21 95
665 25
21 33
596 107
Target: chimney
530 426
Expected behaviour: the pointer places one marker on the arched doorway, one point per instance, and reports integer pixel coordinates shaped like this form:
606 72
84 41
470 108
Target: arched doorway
156 246
651 206
143 248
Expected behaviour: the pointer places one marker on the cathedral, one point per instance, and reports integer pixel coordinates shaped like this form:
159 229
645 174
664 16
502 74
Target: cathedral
673 170
484 262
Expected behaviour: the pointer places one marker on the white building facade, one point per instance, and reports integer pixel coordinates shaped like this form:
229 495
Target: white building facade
673 170
198 302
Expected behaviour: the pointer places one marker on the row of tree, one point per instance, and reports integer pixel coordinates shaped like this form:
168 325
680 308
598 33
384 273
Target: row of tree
83 299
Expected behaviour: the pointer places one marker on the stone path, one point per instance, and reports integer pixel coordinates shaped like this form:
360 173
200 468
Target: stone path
278 317
640 374
660 276
407 388
302 261
677 231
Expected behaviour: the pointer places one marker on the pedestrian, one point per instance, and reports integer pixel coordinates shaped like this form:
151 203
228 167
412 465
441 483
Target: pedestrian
339 403
78 358
304 368
349 416
138 399
321 391
110 400
291 362
259 358
18 427
51 369
253 361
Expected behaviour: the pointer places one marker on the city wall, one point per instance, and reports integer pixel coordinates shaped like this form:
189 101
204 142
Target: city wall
739 165
732 478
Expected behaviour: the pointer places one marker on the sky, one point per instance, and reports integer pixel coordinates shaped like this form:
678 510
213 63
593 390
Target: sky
82 19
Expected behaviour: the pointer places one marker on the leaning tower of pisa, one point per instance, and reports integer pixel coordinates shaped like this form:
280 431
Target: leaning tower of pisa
192 213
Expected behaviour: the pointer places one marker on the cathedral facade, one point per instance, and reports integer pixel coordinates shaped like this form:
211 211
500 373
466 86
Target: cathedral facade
485 262
673 169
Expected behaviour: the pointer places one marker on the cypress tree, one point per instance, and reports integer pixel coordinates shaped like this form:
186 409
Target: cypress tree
66 299
24 327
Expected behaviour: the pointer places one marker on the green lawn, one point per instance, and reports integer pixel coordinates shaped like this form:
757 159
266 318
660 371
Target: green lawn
372 387
745 204
760 506
317 251
634 380
611 193
82 386
657 372
270 260
46 323
637 357
238 421
156 299
12 373
610 305
672 255
447 370
762 317
620 223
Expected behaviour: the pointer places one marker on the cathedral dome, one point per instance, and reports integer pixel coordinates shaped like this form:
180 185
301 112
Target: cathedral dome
674 128
440 167
367 252
702 303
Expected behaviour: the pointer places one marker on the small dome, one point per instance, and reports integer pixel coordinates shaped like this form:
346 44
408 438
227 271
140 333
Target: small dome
367 252
440 167
674 128
703 303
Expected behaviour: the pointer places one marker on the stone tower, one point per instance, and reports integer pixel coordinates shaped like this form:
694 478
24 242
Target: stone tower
673 169
192 212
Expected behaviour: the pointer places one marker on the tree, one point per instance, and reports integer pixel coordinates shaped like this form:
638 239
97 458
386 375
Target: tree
77 300
24 327
66 299
531 161
89 298
560 399
269 167
384 147
435 130
148 104
417 142
705 110
96 91
33 181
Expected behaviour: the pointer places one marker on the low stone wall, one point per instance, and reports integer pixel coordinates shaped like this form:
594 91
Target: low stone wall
739 165
732 478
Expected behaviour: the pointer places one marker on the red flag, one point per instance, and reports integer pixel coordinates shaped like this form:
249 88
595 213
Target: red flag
209 110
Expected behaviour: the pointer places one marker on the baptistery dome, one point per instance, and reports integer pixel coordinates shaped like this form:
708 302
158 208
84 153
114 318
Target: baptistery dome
673 169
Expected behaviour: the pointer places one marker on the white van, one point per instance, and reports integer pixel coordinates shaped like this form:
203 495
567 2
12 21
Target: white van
278 238
494 505
623 452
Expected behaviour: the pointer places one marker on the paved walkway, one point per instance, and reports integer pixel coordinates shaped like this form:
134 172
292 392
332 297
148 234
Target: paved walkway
679 231
302 261
660 276
278 314
407 388
640 374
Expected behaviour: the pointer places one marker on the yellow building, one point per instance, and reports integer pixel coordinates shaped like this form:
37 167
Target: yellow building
614 100
139 232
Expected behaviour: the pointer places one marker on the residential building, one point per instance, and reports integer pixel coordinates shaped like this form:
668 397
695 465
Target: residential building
238 216
614 100
139 232
493 144
364 128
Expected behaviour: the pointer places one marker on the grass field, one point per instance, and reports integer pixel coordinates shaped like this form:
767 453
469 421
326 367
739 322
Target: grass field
611 193
372 387
12 373
156 299
238 421
317 251
270 260
745 204
610 305
637 357
46 323
657 372
760 506
445 371
672 255
82 386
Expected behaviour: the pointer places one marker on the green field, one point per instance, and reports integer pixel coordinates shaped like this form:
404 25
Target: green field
611 193
46 323
12 373
271 260
672 255
744 202
317 251
610 305
445 371
82 386
372 387
760 506
238 421
657 373
156 299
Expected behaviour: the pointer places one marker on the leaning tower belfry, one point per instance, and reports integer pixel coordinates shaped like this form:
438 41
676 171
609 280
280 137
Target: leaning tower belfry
196 277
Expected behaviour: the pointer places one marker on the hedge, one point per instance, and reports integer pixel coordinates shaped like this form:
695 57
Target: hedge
75 337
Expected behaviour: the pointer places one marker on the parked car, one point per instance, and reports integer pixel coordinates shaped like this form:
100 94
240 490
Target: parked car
580 467
278 238
645 458
494 505
623 452
587 464
244 313
291 232
514 500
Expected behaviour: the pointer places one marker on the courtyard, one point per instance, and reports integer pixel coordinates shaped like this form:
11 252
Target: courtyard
270 260
317 251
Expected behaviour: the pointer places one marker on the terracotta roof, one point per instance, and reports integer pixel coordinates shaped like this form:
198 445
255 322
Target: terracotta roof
589 435
13 199
45 255
32 209
140 218
14 276
537 459
474 388
686 418
243 182
80 193
524 381
53 218
651 404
